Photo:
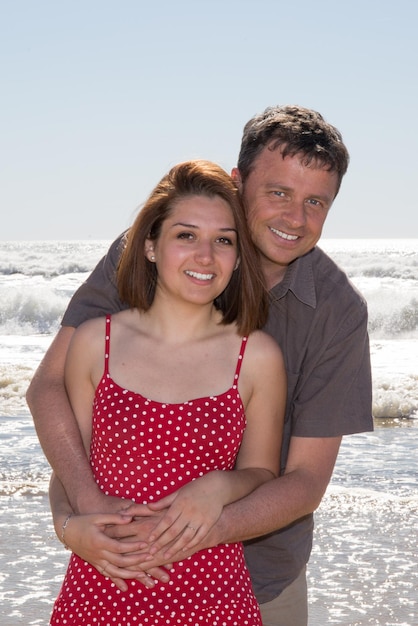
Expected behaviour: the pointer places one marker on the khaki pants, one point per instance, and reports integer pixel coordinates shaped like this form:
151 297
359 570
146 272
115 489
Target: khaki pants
290 608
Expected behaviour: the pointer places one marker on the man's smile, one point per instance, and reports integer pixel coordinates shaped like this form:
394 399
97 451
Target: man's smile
283 235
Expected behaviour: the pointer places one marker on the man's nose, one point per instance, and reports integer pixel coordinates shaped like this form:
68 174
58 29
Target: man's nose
295 214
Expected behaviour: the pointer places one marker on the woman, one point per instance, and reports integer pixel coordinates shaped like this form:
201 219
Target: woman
188 401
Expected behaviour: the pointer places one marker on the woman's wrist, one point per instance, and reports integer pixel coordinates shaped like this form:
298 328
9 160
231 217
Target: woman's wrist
61 521
63 529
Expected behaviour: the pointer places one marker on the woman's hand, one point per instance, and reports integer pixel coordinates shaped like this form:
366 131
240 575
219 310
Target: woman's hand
188 515
117 559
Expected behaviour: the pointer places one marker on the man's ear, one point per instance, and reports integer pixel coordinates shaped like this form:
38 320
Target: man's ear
236 177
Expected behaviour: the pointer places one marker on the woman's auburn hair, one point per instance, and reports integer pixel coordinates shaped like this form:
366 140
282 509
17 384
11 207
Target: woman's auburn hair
245 299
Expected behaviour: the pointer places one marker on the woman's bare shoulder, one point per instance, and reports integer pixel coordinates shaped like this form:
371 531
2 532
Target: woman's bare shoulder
260 342
262 352
89 333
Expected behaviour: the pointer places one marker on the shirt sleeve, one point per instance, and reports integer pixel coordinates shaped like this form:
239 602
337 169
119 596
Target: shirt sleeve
98 295
334 395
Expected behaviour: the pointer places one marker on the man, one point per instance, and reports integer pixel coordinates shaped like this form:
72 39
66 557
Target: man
289 171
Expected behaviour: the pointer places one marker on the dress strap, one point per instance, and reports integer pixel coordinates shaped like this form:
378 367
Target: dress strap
107 345
240 357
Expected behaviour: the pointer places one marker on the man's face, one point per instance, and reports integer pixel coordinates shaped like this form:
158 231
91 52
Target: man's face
287 203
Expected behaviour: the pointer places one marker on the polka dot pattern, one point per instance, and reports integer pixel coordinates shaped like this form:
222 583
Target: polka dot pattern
143 450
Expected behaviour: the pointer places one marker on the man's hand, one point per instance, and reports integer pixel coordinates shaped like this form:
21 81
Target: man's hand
188 515
143 524
98 502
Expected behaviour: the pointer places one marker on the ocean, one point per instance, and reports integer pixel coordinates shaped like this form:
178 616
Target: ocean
364 564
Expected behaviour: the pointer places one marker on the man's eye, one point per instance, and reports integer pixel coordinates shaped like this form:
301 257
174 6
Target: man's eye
314 202
279 194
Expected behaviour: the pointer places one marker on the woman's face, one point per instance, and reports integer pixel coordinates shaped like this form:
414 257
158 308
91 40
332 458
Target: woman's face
197 249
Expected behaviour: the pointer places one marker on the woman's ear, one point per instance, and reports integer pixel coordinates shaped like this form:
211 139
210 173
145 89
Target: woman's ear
237 263
149 250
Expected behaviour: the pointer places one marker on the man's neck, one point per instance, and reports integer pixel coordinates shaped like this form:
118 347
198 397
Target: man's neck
274 275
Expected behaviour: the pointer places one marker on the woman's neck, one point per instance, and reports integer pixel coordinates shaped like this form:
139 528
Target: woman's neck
176 323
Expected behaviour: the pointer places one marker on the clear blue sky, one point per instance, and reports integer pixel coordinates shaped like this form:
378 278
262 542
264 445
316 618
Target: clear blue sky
99 98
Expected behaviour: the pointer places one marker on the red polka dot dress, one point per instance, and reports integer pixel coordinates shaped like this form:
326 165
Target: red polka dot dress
144 450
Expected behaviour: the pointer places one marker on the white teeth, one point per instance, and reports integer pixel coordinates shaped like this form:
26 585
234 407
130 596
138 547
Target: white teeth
200 276
284 235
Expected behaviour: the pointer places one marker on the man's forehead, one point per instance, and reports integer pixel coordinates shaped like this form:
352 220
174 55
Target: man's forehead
273 168
281 153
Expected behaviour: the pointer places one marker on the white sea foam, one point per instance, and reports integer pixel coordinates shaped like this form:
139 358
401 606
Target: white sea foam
37 280
363 565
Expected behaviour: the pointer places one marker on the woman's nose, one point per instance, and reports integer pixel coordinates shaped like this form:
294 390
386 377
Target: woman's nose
204 252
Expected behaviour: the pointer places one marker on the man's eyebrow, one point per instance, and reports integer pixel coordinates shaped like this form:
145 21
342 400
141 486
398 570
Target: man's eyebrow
276 183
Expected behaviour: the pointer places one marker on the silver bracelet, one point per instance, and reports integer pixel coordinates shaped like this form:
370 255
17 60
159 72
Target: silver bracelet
64 526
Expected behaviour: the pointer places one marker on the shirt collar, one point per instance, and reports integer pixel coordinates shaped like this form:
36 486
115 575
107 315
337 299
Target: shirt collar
299 279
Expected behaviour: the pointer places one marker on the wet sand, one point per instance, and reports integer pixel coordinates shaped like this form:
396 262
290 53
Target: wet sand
355 578
364 564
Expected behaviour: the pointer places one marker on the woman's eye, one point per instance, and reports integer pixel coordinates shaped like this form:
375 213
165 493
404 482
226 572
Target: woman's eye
226 241
184 236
